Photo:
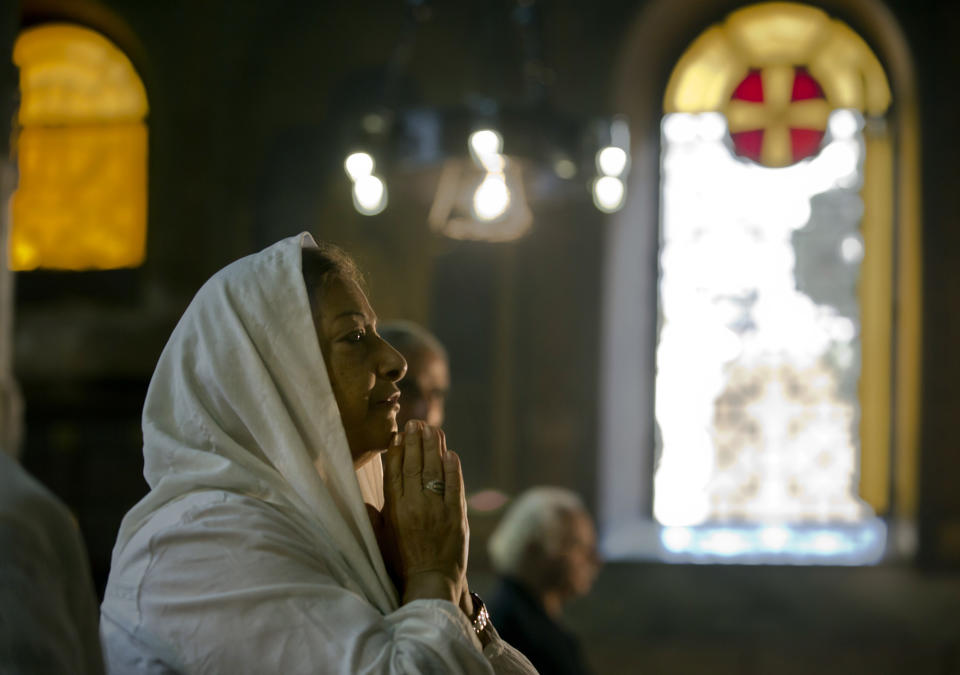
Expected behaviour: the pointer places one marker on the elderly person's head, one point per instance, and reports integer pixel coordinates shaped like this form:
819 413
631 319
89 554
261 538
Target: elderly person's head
546 541
424 389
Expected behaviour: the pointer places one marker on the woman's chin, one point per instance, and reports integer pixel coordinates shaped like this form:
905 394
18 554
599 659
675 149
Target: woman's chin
372 439
385 435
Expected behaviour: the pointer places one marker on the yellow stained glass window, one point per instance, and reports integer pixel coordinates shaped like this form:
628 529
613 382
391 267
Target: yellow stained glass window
776 34
746 68
81 202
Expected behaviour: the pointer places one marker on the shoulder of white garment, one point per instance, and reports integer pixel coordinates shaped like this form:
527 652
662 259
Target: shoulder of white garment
506 660
218 574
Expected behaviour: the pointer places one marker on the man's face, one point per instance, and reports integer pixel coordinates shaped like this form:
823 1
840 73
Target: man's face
580 555
424 389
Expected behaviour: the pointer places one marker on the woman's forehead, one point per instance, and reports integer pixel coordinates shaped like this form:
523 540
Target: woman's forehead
341 297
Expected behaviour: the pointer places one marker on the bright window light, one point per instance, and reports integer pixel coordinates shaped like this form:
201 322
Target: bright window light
676 538
803 545
775 538
757 357
712 126
680 127
845 124
851 249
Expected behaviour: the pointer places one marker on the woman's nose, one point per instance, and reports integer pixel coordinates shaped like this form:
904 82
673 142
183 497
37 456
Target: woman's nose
392 364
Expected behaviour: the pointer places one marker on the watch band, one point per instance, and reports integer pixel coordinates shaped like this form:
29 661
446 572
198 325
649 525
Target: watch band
481 620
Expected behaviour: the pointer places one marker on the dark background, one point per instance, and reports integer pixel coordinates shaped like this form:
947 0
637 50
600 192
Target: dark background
248 106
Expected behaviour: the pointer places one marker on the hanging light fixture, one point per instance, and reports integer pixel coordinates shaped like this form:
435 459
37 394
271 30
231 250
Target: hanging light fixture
482 199
482 193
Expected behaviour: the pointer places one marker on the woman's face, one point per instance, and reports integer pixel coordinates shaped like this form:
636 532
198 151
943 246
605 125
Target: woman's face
363 368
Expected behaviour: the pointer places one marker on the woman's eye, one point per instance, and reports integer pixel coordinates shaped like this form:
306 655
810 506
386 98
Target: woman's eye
354 336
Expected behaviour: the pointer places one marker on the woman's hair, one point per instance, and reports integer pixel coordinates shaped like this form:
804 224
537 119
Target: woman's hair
322 262
533 528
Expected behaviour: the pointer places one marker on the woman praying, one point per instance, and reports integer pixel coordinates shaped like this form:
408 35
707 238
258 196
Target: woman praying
273 538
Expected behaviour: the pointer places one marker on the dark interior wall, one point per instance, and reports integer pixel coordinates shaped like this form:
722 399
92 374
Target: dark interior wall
246 144
934 39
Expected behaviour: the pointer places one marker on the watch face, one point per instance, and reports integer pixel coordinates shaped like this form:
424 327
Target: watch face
480 619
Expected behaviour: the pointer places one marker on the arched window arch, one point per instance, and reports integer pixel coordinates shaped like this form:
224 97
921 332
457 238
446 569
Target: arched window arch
81 150
780 258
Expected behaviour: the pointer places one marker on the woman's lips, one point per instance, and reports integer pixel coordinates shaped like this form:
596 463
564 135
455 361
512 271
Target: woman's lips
391 402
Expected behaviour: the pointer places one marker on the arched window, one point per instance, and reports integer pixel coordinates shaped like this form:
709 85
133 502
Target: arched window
775 341
81 152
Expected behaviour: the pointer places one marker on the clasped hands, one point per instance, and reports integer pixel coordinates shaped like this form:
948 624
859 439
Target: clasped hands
422 531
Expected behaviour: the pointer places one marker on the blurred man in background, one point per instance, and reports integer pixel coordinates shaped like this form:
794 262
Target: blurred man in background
423 392
48 613
545 552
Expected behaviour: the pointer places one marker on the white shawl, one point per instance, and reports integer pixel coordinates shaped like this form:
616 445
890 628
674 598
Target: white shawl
253 551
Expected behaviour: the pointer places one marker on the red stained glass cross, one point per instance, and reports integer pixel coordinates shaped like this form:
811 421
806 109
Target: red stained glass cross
804 142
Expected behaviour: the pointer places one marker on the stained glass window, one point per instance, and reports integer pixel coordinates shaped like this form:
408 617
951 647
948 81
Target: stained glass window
773 354
81 153
777 116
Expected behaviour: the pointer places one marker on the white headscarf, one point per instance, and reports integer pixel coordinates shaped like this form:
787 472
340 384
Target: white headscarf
241 401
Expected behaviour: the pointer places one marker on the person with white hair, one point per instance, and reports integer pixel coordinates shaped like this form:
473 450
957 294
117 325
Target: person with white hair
544 551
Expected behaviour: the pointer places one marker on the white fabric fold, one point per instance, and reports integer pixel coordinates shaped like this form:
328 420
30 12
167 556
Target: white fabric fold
253 551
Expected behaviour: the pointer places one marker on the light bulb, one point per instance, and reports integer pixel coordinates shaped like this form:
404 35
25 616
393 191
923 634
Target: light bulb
486 142
492 197
608 193
611 161
485 147
358 164
369 195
